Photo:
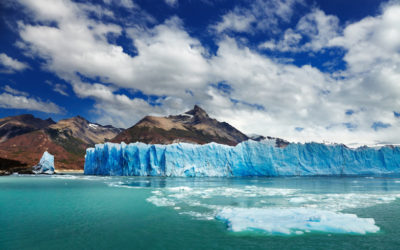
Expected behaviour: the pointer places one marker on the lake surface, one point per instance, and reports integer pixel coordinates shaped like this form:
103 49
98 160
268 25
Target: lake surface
91 212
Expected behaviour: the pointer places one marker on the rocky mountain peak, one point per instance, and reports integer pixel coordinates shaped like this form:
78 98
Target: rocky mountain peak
194 126
79 119
198 112
50 121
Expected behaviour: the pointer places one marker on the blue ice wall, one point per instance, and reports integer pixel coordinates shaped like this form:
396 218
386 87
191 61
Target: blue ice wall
249 158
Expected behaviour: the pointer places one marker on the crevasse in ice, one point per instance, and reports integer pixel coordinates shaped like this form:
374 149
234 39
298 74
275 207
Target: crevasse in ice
249 158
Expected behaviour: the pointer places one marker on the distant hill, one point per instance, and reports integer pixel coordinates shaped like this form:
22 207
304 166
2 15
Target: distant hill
67 140
194 126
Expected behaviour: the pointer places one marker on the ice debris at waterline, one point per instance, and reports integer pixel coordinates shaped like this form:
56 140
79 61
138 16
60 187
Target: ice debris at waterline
294 221
279 211
46 164
249 158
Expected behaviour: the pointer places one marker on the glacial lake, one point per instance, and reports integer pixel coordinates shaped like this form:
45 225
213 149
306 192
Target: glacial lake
94 212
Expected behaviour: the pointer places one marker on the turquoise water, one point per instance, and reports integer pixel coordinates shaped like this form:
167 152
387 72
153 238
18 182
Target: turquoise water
88 212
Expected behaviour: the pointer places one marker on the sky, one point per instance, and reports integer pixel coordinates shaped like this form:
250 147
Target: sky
324 71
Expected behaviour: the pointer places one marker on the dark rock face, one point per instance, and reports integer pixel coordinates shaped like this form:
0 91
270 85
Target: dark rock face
194 126
17 125
257 137
8 166
279 143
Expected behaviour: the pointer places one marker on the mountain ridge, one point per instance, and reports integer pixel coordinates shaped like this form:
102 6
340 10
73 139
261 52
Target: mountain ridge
193 126
67 140
12 126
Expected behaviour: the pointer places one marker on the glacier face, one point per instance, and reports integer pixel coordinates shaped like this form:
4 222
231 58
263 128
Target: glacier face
249 158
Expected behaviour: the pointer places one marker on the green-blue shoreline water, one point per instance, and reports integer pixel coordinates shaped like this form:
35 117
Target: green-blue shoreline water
80 212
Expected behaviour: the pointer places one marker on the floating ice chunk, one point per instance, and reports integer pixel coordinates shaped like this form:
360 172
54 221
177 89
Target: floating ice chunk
179 189
294 221
160 201
45 165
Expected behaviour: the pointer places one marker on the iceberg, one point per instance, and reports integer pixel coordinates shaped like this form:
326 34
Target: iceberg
286 221
249 158
46 164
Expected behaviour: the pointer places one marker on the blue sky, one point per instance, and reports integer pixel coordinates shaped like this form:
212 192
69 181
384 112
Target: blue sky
297 69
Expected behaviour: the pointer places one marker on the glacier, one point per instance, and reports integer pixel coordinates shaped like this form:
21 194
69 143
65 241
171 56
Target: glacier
45 165
249 158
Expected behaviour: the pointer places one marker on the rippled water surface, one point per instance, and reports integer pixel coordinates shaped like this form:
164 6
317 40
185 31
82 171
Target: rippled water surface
89 212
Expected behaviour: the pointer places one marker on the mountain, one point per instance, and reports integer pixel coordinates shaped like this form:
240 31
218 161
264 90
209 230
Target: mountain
194 126
21 124
256 137
79 127
67 140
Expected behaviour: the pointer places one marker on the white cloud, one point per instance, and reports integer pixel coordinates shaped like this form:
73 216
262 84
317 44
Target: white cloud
312 33
372 42
116 109
10 101
319 28
239 22
177 59
291 96
166 49
260 15
58 87
124 3
289 42
172 3
10 65
10 90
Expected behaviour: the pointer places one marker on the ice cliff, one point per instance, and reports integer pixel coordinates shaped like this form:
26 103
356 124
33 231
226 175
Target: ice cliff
249 158
46 164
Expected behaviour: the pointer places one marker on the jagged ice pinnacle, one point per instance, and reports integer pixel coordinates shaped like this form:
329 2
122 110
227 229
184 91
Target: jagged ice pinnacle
46 164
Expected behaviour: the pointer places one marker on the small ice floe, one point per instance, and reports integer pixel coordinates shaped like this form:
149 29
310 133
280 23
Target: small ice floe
160 201
288 221
45 165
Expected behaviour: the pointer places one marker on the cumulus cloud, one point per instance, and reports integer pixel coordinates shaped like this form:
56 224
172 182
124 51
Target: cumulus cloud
166 49
260 15
172 3
372 42
116 109
11 101
10 65
313 32
124 3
